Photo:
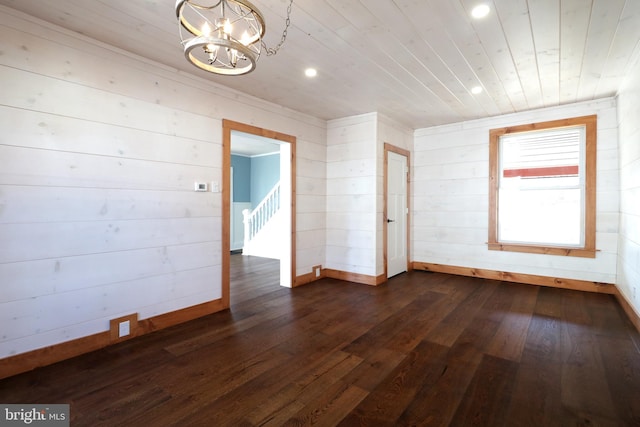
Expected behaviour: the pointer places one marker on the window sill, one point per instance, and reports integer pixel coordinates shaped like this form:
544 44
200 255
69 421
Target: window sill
545 250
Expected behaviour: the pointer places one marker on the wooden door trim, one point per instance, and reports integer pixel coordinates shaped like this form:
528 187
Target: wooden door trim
406 153
227 127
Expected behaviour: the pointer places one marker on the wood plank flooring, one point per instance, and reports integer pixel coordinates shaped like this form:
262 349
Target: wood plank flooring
423 349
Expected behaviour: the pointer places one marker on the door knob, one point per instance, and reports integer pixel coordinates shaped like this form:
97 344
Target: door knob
390 220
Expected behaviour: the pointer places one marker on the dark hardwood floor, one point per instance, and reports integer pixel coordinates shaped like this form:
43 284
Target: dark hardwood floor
422 349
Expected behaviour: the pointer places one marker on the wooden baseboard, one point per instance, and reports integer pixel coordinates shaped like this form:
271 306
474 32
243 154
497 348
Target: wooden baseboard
633 316
341 275
309 278
28 361
531 279
355 277
165 320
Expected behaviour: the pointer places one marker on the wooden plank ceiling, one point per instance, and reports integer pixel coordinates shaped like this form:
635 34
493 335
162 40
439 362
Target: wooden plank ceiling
412 60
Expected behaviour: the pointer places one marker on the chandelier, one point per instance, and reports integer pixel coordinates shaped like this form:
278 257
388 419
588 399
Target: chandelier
223 36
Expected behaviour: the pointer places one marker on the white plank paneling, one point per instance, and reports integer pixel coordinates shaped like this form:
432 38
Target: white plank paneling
66 169
628 263
574 19
603 25
98 217
351 203
514 16
467 170
33 316
421 57
59 133
462 154
21 242
30 204
467 219
312 186
352 260
43 94
311 221
66 274
545 21
352 168
452 213
351 194
356 186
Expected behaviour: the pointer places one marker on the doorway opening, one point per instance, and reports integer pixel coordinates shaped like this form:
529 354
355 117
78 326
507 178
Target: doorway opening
285 242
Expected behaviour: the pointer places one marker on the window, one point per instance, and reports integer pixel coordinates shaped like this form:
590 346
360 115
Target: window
542 193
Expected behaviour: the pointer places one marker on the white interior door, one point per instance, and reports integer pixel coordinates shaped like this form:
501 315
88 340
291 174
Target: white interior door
396 214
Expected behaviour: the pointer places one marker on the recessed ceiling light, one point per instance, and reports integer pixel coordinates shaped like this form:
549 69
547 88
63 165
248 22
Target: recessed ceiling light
476 90
480 11
310 72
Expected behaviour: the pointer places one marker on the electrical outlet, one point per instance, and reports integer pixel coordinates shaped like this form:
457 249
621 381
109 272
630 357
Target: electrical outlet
124 329
316 270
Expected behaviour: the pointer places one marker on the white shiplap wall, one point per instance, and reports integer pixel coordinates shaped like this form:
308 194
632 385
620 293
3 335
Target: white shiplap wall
399 136
450 197
352 194
99 152
311 172
355 190
629 240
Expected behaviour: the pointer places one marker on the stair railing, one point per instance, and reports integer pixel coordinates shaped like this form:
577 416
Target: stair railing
256 219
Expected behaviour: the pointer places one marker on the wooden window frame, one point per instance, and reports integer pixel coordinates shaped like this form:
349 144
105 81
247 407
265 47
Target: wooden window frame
589 248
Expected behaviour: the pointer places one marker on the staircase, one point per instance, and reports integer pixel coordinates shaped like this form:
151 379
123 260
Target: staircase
262 225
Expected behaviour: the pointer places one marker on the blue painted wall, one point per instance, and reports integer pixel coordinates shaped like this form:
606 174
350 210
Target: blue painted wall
254 177
241 178
265 173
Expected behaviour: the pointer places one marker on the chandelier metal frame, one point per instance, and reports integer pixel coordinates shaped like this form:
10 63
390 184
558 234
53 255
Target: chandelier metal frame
224 36
221 36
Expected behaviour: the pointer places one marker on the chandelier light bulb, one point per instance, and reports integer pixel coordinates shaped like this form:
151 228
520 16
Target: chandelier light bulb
220 28
233 57
245 39
206 30
227 27
212 53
